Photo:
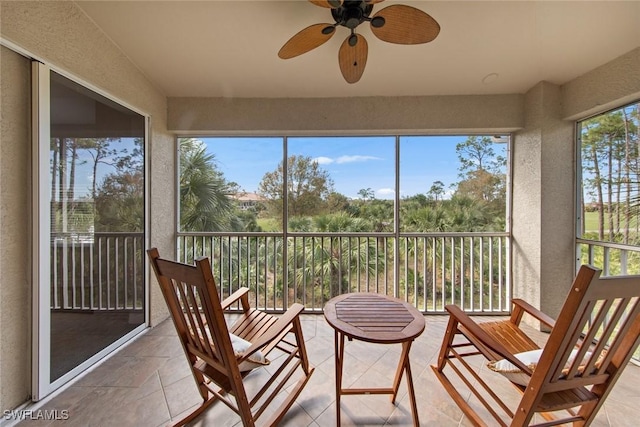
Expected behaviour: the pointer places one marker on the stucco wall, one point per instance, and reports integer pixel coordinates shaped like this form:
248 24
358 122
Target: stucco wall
544 167
543 202
59 34
500 113
604 88
15 270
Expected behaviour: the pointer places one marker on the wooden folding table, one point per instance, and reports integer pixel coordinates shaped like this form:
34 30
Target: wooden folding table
377 319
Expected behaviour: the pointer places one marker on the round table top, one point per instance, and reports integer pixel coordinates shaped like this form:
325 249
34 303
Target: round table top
374 318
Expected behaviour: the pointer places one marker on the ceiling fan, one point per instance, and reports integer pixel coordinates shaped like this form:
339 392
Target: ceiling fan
397 23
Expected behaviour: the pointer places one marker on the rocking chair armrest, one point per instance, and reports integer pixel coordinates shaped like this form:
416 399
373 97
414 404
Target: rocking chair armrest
483 337
279 327
542 317
240 293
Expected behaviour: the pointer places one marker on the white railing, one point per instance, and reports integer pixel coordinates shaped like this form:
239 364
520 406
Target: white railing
98 271
614 259
429 270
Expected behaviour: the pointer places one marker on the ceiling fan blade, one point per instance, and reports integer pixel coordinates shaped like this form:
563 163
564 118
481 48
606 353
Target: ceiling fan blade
331 4
404 25
306 40
353 57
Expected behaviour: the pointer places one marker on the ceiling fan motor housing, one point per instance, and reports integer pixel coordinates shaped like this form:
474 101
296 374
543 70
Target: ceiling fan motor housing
352 13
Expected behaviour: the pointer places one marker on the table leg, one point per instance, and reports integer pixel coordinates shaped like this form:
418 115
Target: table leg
404 367
412 395
402 363
339 355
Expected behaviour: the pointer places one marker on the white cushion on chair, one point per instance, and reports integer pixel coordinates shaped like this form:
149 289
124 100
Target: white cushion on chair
255 360
530 359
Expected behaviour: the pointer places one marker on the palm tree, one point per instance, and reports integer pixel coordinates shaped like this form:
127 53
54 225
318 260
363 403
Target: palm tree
204 205
330 265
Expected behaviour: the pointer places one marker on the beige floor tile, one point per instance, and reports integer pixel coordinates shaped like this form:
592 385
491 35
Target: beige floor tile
148 382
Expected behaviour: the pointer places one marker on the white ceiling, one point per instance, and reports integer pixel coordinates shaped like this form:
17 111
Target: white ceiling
229 48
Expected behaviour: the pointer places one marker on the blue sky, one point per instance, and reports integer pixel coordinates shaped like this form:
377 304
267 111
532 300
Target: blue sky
354 163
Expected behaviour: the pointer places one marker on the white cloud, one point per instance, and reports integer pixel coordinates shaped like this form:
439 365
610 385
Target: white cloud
385 191
344 159
323 160
353 159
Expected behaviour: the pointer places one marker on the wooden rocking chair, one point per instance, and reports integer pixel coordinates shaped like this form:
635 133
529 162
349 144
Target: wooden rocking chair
590 344
220 356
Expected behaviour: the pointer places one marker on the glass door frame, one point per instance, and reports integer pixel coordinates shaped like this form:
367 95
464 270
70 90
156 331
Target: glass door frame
41 244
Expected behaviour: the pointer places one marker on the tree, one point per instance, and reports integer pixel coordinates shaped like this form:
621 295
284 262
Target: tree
337 202
119 198
605 153
436 190
336 258
366 194
308 187
101 151
477 153
379 213
204 205
481 185
482 171
119 202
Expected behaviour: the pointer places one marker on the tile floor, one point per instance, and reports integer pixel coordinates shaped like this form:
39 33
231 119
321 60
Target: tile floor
148 383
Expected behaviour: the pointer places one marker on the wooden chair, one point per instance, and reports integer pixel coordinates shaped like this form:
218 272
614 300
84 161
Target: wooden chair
590 344
219 369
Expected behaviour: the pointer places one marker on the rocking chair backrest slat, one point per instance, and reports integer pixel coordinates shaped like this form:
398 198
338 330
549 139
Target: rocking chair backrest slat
589 334
194 303
199 335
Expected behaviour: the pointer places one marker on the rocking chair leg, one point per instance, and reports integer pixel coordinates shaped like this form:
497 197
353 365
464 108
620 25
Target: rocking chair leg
457 397
451 331
292 396
302 349
193 415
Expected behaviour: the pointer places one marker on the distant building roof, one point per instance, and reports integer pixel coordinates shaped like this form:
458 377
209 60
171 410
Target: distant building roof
248 197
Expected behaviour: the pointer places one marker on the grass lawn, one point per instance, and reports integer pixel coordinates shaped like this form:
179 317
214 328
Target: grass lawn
269 224
591 222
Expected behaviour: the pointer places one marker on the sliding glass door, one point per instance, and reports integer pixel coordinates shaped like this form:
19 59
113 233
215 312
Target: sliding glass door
90 239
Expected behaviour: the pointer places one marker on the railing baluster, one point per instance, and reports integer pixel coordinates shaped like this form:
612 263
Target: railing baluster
481 278
415 272
424 273
81 273
100 272
116 273
462 267
490 274
125 272
92 302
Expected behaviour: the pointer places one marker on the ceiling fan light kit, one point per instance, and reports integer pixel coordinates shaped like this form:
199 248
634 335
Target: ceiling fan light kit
399 24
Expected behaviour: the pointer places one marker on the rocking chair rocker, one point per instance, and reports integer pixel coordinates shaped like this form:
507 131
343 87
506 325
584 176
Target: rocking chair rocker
590 344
